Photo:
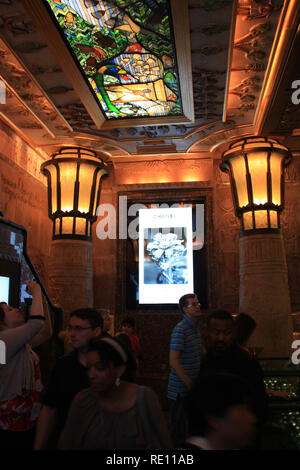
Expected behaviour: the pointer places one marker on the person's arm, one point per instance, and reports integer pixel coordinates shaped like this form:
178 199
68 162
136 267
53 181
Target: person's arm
176 365
37 300
45 427
46 332
16 338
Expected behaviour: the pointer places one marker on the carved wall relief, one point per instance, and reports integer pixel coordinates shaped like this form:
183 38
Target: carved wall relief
264 291
226 252
290 223
164 171
23 194
227 255
71 274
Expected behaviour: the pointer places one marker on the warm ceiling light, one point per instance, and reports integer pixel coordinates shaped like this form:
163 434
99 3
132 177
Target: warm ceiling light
256 165
74 184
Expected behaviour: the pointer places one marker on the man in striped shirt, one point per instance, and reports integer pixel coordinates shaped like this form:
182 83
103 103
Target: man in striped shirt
185 356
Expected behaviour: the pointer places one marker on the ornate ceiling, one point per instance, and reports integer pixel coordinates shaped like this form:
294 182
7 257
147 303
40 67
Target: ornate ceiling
236 60
126 52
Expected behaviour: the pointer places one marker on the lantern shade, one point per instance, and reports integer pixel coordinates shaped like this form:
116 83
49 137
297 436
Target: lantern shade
256 166
74 183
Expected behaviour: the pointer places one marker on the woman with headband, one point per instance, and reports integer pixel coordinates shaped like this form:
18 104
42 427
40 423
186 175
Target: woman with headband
113 414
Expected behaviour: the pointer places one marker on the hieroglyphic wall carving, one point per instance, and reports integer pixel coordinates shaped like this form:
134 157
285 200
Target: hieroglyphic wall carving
226 250
290 223
70 273
163 171
265 293
23 195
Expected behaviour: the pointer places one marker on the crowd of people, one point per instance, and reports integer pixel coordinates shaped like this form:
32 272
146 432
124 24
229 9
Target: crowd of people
94 398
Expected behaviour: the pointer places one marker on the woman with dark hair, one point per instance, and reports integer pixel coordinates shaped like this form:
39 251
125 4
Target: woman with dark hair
20 381
113 414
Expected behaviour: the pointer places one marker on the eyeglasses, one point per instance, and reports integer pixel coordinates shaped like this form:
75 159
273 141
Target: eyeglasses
77 329
194 304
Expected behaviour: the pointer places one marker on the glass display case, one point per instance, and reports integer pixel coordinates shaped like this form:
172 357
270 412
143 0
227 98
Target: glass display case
282 380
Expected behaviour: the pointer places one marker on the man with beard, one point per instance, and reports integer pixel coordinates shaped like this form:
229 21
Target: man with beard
225 355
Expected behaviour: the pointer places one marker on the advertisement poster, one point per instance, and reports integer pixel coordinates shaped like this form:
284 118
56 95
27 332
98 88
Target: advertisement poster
165 255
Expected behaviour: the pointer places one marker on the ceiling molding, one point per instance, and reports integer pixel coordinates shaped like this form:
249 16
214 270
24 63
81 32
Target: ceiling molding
222 137
280 53
229 59
181 24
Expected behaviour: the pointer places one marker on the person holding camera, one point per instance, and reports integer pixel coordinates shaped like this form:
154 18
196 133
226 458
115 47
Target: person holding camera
20 380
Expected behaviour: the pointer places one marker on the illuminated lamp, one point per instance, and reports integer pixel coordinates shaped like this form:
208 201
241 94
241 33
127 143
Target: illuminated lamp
74 184
256 168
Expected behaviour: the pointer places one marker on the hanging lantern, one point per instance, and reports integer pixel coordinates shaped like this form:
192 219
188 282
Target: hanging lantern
74 184
256 168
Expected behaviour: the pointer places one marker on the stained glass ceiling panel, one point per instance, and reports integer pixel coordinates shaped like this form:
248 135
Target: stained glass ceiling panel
126 51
